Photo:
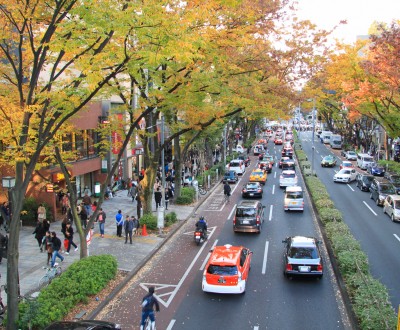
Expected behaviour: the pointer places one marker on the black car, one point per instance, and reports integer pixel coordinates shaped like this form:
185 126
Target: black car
230 177
249 217
302 257
394 179
364 181
379 189
252 189
83 325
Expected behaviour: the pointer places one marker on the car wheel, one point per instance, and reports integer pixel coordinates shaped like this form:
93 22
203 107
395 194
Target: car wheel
392 217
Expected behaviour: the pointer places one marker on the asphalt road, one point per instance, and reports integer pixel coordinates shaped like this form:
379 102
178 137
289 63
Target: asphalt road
378 235
271 301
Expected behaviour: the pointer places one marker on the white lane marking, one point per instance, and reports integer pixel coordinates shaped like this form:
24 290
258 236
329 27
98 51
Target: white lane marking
270 213
178 286
230 214
317 151
171 324
273 189
208 255
397 237
369 207
256 327
274 175
350 187
264 266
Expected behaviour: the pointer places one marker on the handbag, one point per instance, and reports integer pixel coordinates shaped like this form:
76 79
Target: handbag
66 242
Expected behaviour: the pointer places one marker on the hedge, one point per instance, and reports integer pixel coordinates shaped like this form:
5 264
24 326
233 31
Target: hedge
82 279
324 203
328 214
170 218
187 196
150 220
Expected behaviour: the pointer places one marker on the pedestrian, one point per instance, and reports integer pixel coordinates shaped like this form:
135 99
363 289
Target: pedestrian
46 225
5 211
41 213
158 197
64 203
3 246
166 198
87 202
119 221
139 205
48 245
83 215
69 235
136 225
39 234
129 227
56 243
133 191
64 225
101 218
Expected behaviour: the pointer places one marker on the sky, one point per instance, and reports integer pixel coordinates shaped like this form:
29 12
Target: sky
358 13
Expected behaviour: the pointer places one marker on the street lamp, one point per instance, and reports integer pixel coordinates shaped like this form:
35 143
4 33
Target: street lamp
9 183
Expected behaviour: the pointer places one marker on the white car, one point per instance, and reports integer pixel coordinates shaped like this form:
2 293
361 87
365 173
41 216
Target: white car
236 165
239 148
258 149
345 175
351 155
288 178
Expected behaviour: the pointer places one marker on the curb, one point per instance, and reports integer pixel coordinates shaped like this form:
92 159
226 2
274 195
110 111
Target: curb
134 271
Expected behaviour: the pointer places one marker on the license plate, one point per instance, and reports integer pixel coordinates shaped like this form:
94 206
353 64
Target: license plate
245 222
304 269
293 203
251 194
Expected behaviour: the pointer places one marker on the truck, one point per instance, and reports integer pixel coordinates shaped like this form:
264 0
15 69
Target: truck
325 136
336 141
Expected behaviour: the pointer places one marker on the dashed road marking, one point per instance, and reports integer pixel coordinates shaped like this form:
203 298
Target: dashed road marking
369 207
273 189
270 212
171 324
397 237
264 266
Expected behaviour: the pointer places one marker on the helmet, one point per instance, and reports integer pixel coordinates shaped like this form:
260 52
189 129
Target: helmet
201 218
151 289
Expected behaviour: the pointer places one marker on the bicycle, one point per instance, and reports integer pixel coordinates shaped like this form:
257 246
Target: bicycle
202 190
51 273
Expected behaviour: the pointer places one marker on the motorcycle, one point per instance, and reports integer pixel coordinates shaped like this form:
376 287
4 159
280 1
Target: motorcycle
199 236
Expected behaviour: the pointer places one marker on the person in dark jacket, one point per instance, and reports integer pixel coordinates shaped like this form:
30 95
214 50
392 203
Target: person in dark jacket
83 215
69 235
129 227
148 303
48 246
202 226
167 194
158 197
101 219
56 248
39 234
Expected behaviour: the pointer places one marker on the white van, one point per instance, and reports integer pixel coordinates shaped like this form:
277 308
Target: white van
325 136
364 160
294 199
336 141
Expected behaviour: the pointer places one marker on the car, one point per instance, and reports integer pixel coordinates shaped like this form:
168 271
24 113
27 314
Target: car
350 155
258 148
252 189
364 181
288 164
288 178
376 169
83 325
283 159
302 257
328 161
249 217
269 158
230 177
287 151
293 199
236 165
245 159
265 166
391 207
379 189
345 175
394 179
346 164
258 175
227 270
278 141
239 148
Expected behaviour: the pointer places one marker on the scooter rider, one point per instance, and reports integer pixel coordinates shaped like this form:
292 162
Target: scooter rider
202 226
148 304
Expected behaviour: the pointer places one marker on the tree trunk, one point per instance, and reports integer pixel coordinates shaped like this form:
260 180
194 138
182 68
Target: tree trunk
147 186
178 167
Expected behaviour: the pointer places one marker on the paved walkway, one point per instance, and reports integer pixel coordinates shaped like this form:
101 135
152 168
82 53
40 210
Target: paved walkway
32 261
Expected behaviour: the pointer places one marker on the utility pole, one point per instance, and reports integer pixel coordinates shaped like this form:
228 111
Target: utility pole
313 132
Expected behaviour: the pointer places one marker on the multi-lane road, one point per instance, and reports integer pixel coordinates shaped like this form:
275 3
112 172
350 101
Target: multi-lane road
271 301
378 235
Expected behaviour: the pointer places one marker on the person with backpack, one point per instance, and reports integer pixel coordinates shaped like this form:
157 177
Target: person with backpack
227 191
148 303
101 219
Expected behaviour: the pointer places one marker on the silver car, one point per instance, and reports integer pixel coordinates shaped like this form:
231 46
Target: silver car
351 155
288 178
391 207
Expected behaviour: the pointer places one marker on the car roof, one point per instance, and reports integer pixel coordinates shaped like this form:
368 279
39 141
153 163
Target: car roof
253 184
288 172
257 170
293 189
225 255
303 241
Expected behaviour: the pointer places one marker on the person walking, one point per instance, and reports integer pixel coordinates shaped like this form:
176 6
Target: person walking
227 191
48 245
83 215
167 194
135 225
133 191
56 243
87 202
158 197
119 221
69 235
148 303
41 213
101 218
139 205
129 227
39 234
64 204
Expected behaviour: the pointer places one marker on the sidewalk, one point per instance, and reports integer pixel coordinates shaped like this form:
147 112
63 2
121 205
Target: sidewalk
32 261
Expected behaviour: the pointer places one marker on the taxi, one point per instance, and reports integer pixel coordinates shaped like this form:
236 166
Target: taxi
227 270
278 141
258 175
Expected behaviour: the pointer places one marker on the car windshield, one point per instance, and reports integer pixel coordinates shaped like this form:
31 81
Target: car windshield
395 179
245 212
235 164
351 153
222 270
397 205
288 175
252 186
367 179
294 195
387 189
344 172
258 173
303 253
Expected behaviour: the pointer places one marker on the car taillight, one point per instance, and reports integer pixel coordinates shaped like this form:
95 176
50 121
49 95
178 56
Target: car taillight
319 268
258 220
281 177
289 267
259 190
234 220
244 190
